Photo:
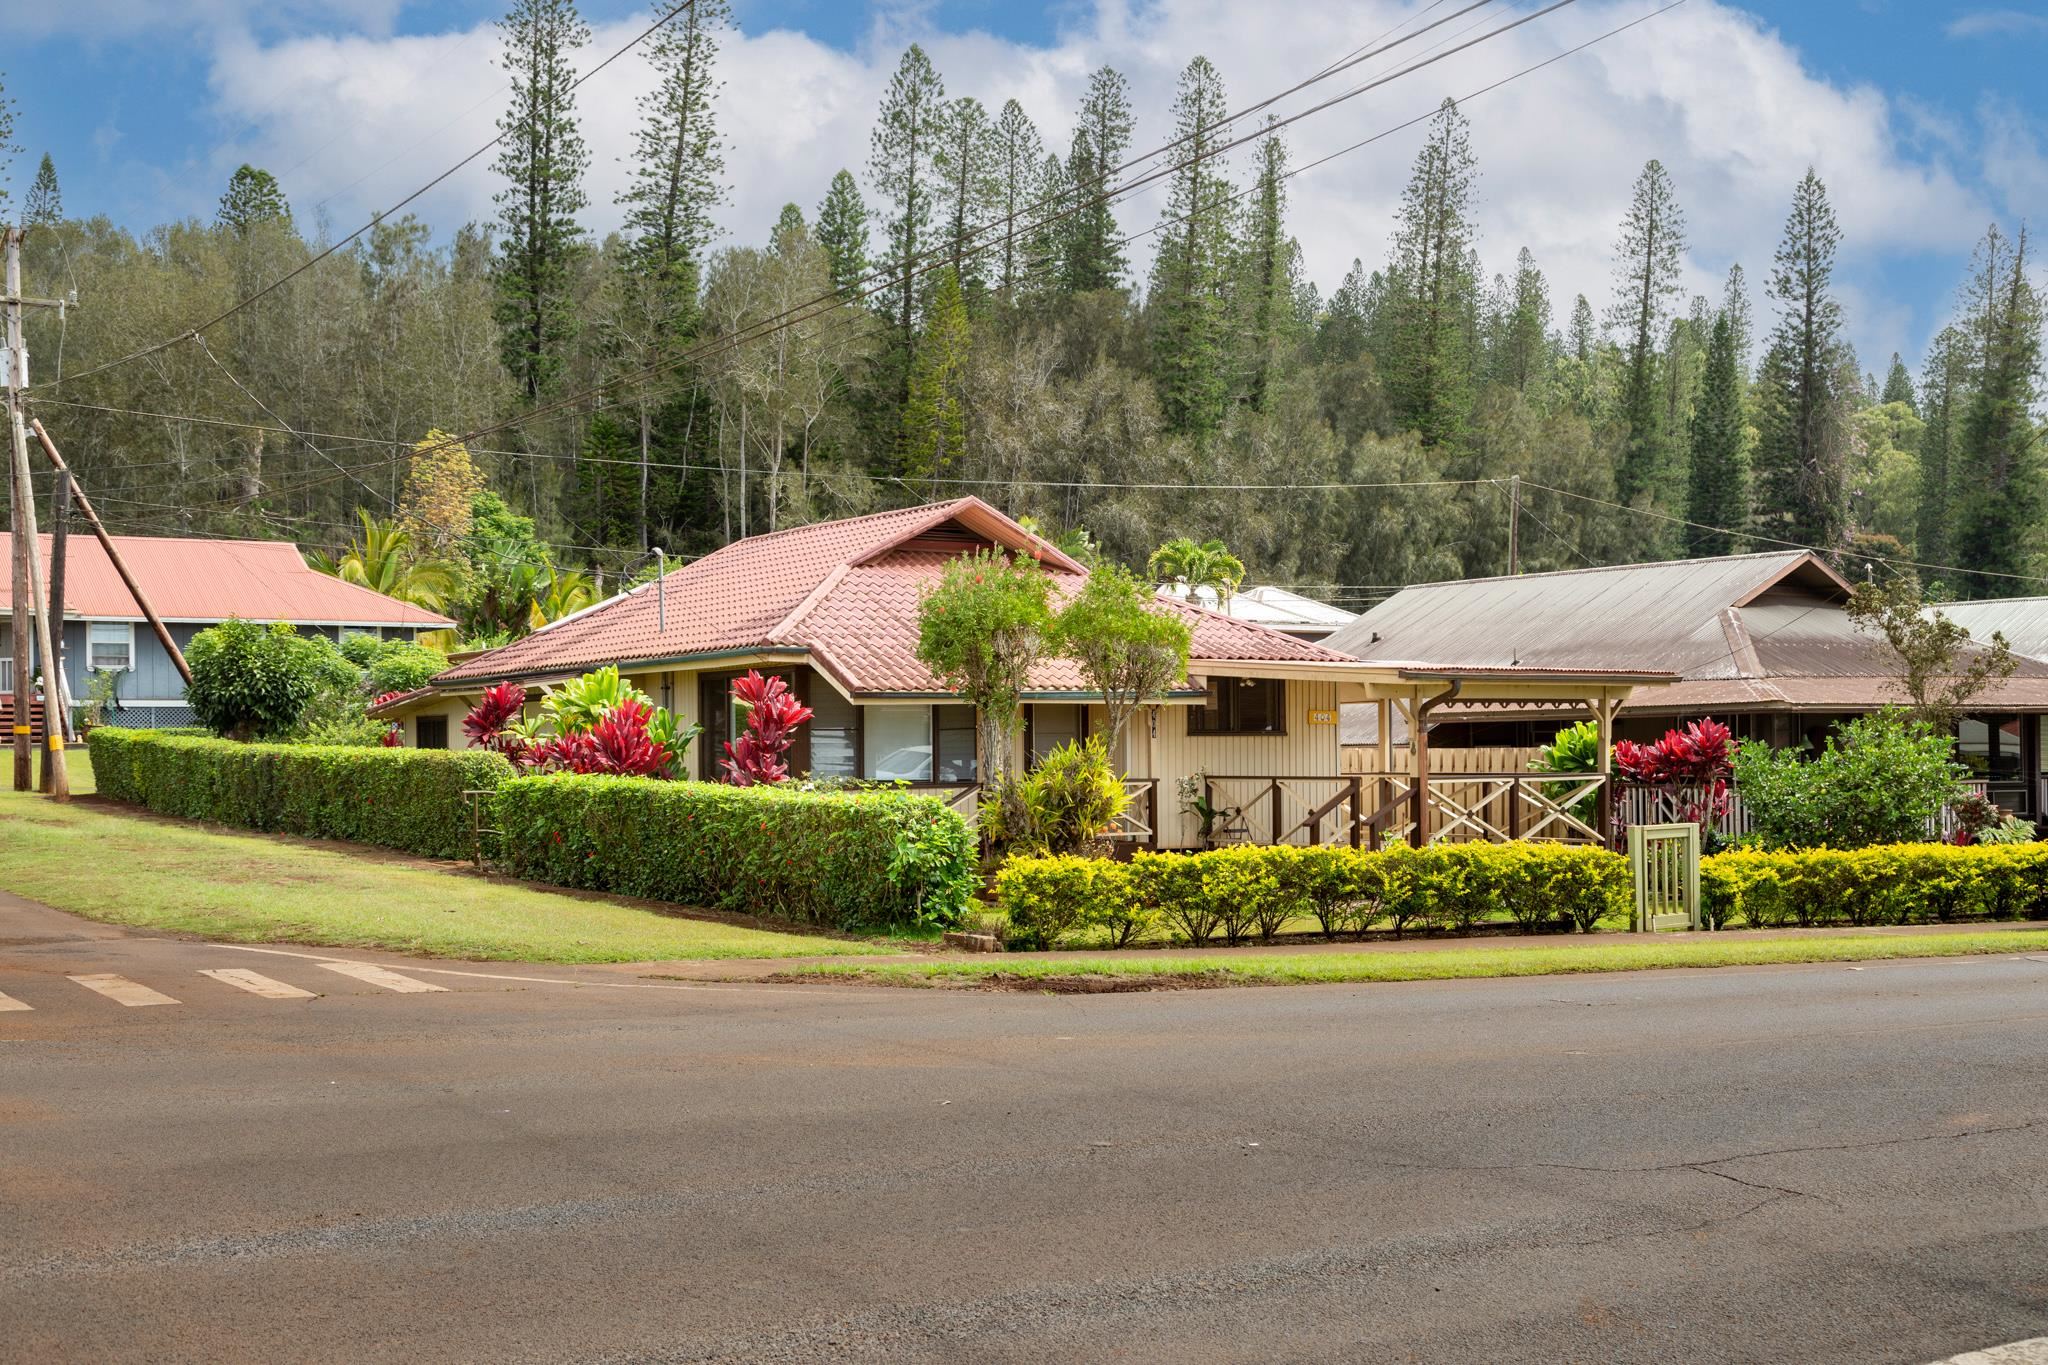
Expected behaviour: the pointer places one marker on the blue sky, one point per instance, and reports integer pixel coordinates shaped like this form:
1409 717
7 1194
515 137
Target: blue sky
1926 119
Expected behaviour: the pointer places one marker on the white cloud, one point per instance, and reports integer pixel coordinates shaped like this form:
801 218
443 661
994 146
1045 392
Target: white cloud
108 20
1998 23
1720 98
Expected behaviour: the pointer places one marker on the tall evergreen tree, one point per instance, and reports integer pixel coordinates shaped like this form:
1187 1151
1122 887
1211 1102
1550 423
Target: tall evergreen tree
1735 303
1018 153
1898 385
542 159
935 415
791 219
1525 339
1802 451
1717 493
253 197
1584 334
1944 396
1430 288
968 164
1647 258
1264 286
1996 480
1102 135
1341 333
843 233
902 154
1042 272
45 204
679 162
1188 274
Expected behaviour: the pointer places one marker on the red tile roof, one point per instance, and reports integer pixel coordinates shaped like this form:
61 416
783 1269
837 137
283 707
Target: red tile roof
843 593
211 580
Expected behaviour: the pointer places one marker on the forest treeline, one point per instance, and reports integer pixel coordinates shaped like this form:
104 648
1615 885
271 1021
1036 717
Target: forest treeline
986 328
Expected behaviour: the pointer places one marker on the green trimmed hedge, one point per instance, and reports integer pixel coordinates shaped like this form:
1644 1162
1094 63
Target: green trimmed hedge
850 860
409 799
1236 893
1887 884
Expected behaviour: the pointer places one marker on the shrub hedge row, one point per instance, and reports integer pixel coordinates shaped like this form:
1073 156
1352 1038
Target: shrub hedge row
1234 893
846 859
1888 884
408 799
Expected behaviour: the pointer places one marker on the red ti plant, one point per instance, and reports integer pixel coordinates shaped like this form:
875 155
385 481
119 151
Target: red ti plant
773 713
1699 759
487 721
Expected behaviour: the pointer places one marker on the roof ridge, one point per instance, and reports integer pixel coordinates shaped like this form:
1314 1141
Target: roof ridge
1605 568
818 593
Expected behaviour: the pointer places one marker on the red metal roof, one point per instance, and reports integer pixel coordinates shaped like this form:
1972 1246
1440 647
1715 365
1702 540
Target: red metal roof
843 593
211 580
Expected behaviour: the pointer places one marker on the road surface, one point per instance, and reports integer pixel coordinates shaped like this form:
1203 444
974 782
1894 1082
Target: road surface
348 1156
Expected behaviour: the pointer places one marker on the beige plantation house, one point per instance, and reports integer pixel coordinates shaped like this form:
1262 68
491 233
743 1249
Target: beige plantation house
833 607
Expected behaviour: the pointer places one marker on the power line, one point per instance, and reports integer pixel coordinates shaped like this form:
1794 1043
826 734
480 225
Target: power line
375 219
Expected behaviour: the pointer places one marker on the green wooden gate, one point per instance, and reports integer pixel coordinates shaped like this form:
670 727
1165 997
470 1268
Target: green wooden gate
1666 862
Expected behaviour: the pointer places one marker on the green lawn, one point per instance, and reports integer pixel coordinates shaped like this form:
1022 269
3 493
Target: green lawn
1139 971
251 888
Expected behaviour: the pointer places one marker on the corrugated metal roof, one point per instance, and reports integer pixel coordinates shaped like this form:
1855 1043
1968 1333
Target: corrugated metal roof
212 580
2023 621
1742 631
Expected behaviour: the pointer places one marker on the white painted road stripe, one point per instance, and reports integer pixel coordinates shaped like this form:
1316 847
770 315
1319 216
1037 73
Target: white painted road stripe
257 984
8 1002
2030 1352
377 976
123 991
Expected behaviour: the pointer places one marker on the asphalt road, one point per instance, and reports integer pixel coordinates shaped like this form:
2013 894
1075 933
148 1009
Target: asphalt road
1790 1164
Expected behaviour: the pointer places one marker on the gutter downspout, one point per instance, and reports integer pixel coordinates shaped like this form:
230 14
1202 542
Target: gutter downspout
1418 746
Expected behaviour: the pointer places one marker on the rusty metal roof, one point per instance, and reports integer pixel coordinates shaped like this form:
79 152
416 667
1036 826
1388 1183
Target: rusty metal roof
2023 621
1742 632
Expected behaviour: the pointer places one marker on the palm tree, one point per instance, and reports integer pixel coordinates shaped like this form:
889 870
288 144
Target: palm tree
382 562
1208 564
568 590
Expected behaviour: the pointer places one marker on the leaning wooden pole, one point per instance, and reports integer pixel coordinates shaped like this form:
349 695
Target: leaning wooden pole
21 601
92 519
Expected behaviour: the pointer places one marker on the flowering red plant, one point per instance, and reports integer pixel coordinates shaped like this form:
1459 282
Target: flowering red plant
497 708
619 744
773 713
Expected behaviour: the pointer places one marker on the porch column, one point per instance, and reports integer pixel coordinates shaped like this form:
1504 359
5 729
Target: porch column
1418 767
1604 708
1385 743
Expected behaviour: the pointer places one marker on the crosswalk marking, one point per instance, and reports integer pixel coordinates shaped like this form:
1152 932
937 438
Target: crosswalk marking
121 990
378 976
8 1002
257 984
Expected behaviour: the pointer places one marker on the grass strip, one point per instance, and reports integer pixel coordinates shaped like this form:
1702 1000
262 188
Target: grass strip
147 873
1151 972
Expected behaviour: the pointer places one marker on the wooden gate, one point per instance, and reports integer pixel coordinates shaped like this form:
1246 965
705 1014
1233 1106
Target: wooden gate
1666 862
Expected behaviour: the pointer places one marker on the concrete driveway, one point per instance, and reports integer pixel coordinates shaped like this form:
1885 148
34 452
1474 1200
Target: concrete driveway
1809 1163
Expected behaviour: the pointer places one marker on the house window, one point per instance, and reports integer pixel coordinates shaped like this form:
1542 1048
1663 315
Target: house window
431 732
1241 706
835 733
1052 725
954 726
899 743
110 646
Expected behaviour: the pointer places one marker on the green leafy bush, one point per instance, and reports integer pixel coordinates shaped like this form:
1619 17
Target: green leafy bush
1913 883
1064 805
1880 780
253 682
846 859
410 799
1232 892
401 666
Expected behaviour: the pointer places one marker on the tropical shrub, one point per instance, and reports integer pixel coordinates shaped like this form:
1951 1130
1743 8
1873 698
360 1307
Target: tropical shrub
1232 892
1064 805
401 666
251 681
1698 760
596 724
1910 883
758 757
410 799
1880 780
850 860
488 721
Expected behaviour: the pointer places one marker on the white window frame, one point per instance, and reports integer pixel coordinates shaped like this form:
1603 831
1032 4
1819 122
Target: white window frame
93 629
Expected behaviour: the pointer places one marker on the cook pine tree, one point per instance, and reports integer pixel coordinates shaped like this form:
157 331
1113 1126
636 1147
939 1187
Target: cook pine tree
1186 299
1802 447
1647 259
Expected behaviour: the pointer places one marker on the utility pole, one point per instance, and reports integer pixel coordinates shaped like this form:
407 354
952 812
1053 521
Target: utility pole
1514 524
28 593
60 551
